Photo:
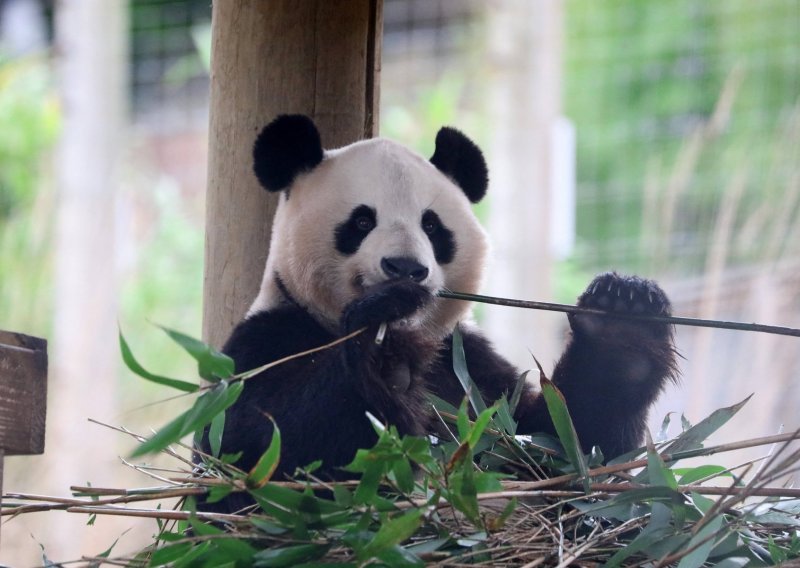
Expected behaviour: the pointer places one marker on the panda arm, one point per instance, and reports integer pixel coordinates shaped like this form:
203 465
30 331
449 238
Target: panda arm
297 394
610 373
614 369
318 401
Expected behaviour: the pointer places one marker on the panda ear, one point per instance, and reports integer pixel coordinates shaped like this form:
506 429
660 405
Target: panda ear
286 147
460 159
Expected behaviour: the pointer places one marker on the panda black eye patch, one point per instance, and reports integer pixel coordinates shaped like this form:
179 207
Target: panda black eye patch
444 245
352 232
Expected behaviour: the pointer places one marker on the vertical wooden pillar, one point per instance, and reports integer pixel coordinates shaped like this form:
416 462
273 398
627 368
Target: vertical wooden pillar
526 43
270 57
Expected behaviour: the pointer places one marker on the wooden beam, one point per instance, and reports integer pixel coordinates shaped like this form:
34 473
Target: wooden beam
23 396
23 393
316 57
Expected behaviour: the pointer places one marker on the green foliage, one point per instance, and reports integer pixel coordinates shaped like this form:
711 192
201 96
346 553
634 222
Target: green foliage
643 78
420 498
29 122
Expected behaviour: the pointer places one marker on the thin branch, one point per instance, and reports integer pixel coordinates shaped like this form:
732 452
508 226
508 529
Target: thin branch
674 320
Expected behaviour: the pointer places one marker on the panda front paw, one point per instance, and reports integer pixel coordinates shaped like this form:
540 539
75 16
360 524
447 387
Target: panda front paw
384 303
619 294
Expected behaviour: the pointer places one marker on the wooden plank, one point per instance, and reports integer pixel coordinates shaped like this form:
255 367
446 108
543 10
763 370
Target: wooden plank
315 57
23 393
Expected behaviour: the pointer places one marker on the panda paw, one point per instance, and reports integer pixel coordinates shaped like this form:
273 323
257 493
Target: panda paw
383 303
615 293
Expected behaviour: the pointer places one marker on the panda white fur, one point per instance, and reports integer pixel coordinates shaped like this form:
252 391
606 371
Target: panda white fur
368 234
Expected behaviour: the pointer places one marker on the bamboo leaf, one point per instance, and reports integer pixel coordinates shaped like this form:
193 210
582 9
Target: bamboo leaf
704 540
289 555
658 472
504 416
205 408
480 424
460 369
694 437
517 394
691 475
557 406
169 553
211 364
215 432
392 532
263 470
134 366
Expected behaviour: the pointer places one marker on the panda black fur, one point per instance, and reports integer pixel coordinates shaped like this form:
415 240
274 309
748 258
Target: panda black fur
368 234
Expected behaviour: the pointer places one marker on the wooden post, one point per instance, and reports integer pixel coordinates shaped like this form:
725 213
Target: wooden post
526 42
23 395
315 57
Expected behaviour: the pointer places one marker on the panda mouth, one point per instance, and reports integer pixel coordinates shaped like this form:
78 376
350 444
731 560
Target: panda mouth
361 286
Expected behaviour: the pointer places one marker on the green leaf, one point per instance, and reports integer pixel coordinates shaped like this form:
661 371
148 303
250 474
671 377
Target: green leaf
233 548
198 552
134 366
400 557
704 540
289 555
480 424
460 369
462 421
216 494
565 429
663 433
702 502
645 494
205 408
170 553
106 553
268 527
215 433
263 470
495 522
694 437
689 476
211 364
657 470
504 416
643 541
461 489
403 475
513 402
392 532
367 488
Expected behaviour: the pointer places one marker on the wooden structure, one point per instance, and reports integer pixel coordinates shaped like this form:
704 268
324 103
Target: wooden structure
23 395
316 57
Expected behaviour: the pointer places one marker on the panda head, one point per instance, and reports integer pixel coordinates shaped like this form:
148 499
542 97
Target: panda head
354 217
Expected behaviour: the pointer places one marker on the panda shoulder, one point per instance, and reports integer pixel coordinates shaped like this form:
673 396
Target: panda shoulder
270 335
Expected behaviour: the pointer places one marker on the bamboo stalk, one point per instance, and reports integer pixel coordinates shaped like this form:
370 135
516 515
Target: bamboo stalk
674 320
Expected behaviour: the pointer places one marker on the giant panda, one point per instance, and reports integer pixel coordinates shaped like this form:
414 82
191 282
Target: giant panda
367 235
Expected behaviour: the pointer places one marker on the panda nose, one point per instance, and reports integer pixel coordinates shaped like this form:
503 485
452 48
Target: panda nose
399 267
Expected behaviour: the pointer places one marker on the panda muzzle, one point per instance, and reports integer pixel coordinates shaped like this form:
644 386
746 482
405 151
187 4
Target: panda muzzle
404 268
